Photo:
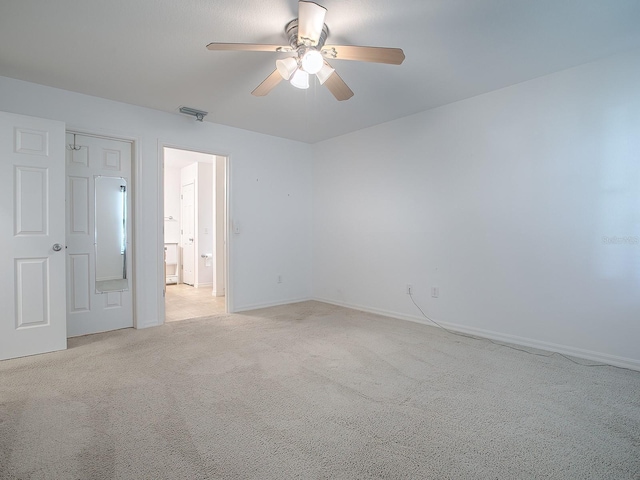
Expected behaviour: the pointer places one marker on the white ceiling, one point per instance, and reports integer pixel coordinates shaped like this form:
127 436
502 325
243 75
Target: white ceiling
152 53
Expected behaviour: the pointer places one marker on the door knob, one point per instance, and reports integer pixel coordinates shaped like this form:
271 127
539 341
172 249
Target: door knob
57 247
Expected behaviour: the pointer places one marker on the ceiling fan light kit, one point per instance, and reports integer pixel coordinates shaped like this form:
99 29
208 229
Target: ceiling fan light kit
307 35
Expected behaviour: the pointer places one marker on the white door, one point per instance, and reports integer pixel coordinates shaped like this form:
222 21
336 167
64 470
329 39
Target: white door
32 237
91 309
187 234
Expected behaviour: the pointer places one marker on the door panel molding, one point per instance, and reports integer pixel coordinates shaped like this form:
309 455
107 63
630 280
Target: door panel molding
31 189
78 195
32 279
79 284
31 142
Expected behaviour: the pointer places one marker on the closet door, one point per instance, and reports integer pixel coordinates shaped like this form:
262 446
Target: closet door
32 237
99 278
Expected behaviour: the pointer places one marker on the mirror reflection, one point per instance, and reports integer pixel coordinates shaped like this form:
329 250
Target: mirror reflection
111 234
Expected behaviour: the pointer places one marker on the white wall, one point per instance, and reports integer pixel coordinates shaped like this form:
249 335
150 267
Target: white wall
270 192
502 201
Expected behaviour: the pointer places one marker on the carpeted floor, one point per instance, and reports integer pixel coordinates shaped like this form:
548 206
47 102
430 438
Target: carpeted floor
311 391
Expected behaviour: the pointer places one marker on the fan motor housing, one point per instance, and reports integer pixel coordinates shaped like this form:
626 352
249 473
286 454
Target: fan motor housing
291 30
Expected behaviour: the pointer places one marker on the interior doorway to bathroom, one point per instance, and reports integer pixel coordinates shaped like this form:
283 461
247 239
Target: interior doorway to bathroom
194 234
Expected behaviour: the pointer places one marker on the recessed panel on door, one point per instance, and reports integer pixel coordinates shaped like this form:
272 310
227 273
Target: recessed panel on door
31 200
77 155
32 142
78 194
31 292
111 159
79 283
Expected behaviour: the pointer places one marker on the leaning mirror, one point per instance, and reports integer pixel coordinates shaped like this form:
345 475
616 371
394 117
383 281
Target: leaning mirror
111 234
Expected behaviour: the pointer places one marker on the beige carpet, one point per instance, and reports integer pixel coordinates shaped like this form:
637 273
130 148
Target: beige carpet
311 391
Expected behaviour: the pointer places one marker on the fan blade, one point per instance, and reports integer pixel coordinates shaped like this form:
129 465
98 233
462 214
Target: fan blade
310 21
248 47
336 85
393 56
268 84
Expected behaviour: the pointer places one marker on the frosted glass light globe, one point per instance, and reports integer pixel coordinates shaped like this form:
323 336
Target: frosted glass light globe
286 67
325 72
300 79
312 61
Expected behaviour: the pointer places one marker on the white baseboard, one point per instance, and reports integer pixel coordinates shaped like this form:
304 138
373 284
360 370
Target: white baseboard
217 293
625 362
255 306
203 285
147 324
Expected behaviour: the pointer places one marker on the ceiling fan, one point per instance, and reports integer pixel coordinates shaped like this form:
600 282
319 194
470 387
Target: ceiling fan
307 35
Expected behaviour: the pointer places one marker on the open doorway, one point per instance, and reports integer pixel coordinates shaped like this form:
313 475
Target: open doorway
194 234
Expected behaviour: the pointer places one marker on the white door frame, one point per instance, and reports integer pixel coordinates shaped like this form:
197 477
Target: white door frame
136 227
228 274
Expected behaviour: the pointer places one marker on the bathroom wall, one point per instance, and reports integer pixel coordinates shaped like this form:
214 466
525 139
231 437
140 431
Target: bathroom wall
172 205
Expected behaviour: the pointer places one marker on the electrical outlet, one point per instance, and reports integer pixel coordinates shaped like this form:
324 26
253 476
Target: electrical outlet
435 292
409 289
